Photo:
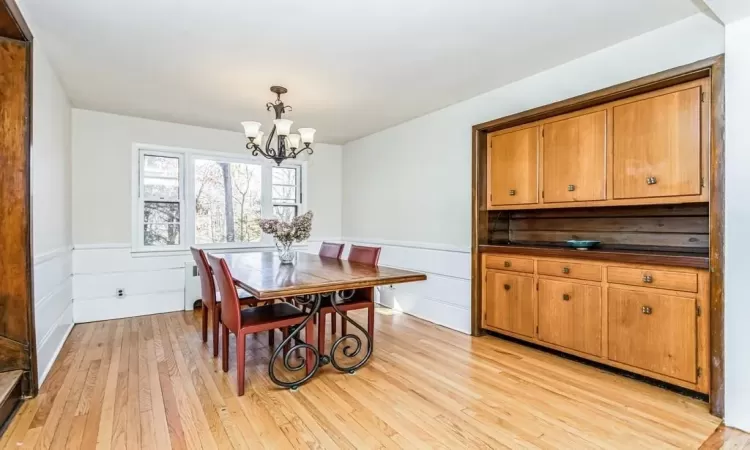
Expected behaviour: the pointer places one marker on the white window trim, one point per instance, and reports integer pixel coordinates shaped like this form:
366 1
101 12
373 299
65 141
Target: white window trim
187 157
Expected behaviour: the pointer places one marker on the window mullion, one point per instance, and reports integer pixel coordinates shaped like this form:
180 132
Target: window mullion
266 208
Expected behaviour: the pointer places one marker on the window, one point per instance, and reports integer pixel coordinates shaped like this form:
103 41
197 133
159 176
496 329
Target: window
186 198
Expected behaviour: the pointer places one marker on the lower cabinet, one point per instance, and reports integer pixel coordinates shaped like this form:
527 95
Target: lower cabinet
652 320
509 304
570 315
653 331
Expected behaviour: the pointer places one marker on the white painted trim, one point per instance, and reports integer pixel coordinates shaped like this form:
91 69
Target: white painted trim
102 246
52 254
56 290
56 353
411 244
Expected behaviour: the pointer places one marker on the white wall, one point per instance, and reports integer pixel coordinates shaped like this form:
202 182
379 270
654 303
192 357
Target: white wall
102 171
410 186
51 200
736 264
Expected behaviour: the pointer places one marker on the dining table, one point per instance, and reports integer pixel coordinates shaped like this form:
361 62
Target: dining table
310 281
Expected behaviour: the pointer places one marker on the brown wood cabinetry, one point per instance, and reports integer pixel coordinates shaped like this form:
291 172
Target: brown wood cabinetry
604 311
509 303
574 158
570 315
653 331
513 165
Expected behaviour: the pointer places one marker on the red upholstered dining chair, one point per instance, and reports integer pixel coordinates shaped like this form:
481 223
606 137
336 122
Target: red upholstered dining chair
210 302
331 250
251 320
357 254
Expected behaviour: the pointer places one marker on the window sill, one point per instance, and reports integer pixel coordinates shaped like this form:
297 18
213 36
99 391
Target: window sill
145 253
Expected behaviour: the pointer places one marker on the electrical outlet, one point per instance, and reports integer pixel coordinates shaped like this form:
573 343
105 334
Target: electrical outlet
120 293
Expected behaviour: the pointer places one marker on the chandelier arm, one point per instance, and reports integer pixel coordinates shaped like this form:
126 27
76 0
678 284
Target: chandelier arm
269 150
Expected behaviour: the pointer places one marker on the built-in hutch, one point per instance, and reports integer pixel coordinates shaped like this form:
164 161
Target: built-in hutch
637 167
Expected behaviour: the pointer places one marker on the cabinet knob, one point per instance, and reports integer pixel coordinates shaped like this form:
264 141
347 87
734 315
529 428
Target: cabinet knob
646 310
507 287
566 270
566 297
571 187
512 192
648 279
506 264
651 180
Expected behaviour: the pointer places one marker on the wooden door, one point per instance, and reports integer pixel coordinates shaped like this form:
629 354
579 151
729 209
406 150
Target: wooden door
657 146
653 331
509 302
570 315
512 167
574 159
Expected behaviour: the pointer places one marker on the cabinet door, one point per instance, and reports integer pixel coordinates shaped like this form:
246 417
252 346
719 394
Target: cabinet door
513 166
570 315
575 159
657 146
510 303
653 331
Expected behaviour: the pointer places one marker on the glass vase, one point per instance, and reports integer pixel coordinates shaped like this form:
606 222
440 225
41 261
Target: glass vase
286 254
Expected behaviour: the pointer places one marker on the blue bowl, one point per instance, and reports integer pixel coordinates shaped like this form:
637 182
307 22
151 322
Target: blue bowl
583 245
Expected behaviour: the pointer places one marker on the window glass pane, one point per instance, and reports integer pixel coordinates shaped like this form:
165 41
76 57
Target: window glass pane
282 175
161 212
227 202
161 234
161 166
284 194
285 213
161 188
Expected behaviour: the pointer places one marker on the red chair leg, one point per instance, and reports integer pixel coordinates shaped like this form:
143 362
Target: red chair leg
271 334
204 325
224 348
343 323
215 319
309 337
371 321
240 343
333 323
288 345
321 333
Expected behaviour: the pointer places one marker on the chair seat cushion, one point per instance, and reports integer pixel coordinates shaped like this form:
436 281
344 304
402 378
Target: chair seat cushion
269 314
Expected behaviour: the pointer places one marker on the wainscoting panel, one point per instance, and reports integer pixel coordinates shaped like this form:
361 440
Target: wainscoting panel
53 305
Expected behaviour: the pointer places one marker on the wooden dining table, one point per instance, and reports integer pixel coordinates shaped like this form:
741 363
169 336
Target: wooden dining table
308 282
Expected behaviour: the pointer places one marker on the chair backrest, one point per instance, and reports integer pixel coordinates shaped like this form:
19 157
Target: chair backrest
331 250
364 255
230 302
208 287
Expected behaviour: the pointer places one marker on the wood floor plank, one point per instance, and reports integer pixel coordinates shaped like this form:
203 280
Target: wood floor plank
151 383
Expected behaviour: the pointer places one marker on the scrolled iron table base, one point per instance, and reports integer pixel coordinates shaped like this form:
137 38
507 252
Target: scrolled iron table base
352 344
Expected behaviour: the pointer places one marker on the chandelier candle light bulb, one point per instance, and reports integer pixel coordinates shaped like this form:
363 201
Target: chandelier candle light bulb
287 145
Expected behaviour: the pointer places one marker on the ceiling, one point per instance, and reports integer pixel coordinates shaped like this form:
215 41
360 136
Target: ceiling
352 68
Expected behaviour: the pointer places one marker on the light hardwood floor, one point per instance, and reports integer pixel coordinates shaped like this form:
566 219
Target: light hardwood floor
149 382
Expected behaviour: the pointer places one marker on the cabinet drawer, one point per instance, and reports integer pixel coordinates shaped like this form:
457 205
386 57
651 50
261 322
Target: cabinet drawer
498 262
662 279
654 332
590 272
570 315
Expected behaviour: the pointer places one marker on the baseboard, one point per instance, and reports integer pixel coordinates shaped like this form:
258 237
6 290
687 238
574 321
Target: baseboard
52 343
109 308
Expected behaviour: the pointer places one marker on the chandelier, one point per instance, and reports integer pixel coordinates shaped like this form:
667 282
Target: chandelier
288 145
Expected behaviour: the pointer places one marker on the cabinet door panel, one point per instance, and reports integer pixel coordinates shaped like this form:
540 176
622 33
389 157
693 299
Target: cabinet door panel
653 331
575 159
570 315
510 303
657 146
513 167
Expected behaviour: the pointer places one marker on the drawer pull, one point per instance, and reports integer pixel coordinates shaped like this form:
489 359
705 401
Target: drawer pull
506 264
566 270
648 279
566 297
646 310
512 192
507 287
651 180
571 187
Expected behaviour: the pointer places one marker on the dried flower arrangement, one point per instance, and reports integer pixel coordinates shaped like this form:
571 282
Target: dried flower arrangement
287 233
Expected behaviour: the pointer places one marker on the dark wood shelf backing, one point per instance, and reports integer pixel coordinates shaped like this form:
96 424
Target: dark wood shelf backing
673 259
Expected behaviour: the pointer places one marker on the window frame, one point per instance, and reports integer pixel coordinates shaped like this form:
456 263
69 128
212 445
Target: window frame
186 158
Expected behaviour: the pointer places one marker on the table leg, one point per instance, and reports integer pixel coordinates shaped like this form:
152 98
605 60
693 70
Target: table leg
348 350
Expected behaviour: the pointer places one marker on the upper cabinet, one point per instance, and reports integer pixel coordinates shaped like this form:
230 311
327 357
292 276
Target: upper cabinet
657 146
650 148
512 167
575 158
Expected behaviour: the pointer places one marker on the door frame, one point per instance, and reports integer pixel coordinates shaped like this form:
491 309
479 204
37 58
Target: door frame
712 68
